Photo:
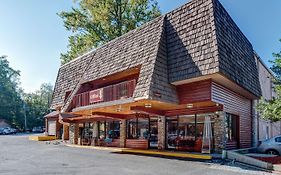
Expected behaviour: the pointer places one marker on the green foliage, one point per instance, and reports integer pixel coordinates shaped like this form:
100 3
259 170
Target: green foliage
37 105
276 67
271 109
95 22
10 99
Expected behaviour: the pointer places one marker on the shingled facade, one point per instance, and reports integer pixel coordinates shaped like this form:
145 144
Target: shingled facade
183 67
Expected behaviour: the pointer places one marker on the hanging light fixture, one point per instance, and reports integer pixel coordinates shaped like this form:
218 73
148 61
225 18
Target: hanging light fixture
148 105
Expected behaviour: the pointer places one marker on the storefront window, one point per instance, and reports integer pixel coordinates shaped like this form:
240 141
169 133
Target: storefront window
101 126
172 132
153 139
232 125
200 119
185 132
113 129
187 127
143 128
109 129
138 128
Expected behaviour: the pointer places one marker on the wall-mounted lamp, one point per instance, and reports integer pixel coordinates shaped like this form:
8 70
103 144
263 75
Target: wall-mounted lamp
148 105
189 105
119 109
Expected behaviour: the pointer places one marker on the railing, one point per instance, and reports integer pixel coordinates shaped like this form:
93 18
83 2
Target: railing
118 91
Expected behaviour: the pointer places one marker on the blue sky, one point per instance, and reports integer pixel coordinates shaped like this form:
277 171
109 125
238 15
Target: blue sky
33 36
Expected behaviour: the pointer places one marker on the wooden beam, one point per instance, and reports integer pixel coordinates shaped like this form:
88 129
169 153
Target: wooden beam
195 110
112 115
148 111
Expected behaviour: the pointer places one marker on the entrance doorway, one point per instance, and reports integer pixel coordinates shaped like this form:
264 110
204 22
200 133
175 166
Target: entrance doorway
172 132
153 133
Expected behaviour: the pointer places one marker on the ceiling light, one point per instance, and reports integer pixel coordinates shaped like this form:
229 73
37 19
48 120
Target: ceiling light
148 105
189 105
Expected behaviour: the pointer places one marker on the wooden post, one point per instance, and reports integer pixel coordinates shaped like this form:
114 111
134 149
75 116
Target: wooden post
65 132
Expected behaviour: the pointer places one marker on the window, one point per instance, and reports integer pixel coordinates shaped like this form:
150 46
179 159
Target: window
232 127
113 129
138 128
187 127
110 129
278 139
101 126
66 95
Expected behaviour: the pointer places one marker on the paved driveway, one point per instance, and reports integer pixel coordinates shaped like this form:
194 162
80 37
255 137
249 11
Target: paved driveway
18 155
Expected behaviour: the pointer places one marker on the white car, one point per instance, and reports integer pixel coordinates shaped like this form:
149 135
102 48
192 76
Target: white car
6 131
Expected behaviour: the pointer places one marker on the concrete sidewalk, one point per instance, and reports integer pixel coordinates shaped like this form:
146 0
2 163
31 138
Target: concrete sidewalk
173 154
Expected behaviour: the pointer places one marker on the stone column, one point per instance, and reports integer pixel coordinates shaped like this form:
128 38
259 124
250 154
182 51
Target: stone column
95 130
95 133
123 133
65 132
220 132
73 133
161 132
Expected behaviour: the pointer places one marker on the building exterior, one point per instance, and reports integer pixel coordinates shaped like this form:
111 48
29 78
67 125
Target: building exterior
185 81
265 129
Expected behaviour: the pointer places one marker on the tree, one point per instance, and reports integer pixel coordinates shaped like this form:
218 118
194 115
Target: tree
95 22
276 67
10 99
37 105
271 109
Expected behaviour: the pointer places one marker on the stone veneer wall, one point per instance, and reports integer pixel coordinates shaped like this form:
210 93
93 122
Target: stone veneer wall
123 133
161 132
73 133
219 132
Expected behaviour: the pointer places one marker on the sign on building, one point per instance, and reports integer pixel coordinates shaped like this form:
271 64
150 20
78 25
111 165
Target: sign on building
96 95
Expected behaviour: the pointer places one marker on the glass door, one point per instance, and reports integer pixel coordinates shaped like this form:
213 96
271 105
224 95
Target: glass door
171 132
153 133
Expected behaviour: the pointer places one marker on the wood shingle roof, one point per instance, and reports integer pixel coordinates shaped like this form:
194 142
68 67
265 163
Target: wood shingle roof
196 39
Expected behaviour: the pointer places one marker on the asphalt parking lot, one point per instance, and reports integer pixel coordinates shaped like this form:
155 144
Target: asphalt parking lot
20 156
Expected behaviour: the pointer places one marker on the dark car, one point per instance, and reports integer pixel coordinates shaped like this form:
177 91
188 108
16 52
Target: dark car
1 131
38 129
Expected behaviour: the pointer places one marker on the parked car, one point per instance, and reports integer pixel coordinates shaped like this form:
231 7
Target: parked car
38 129
13 131
8 130
1 131
271 146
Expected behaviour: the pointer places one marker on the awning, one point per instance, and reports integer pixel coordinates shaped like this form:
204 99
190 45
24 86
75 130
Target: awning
52 114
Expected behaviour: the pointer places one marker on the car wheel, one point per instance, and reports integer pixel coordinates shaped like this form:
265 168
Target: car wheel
272 152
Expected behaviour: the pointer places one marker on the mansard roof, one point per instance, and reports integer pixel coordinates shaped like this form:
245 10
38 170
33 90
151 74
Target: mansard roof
197 39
